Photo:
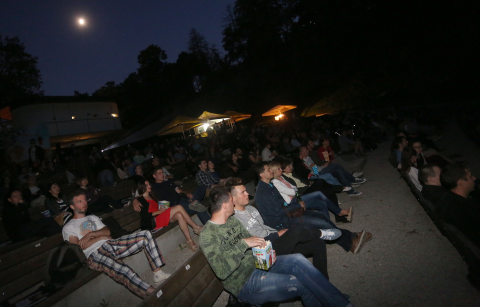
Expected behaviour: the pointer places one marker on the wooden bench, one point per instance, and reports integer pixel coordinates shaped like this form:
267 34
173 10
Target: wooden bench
23 267
26 271
193 284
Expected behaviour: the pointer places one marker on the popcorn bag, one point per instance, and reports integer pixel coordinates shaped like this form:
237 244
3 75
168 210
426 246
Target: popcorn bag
163 204
263 256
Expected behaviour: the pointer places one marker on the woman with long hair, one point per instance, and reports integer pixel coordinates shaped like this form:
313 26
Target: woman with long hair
408 166
162 217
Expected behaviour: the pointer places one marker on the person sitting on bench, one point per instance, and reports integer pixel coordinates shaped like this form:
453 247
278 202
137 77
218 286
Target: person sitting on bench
295 239
96 201
226 245
103 253
17 222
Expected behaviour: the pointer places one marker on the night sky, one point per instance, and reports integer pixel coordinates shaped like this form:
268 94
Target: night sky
84 58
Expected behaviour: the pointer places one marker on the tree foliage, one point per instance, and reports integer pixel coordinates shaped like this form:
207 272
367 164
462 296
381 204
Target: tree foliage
19 75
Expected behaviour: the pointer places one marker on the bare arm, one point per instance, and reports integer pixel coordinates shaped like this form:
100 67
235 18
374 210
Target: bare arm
92 237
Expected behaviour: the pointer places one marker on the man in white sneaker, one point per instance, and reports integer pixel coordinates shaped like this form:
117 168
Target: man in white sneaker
104 253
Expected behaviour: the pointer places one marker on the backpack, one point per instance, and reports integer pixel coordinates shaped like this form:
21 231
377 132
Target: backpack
63 264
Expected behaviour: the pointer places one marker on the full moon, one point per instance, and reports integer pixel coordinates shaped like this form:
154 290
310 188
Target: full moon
81 21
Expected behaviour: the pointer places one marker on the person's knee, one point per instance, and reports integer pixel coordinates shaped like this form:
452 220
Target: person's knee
179 216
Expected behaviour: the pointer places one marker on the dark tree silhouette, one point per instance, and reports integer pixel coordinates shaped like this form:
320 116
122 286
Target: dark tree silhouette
19 75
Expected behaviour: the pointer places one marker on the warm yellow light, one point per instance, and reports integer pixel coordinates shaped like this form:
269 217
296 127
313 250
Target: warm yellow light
205 126
277 117
73 117
81 21
114 115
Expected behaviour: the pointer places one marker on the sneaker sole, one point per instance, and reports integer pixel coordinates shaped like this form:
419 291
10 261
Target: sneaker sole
353 195
360 243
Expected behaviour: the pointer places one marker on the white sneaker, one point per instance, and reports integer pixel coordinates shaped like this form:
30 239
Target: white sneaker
346 189
159 277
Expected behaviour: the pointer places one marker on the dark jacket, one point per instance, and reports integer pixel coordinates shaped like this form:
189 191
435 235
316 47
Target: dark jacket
435 194
463 213
13 217
270 205
146 218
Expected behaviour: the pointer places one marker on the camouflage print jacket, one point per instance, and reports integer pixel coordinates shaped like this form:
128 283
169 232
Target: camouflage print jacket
229 256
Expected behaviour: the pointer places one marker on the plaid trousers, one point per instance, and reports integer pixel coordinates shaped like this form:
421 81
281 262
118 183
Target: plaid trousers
106 259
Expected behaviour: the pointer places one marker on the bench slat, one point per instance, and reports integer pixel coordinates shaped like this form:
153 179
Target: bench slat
21 284
135 225
83 278
174 285
210 294
23 268
194 288
127 219
29 251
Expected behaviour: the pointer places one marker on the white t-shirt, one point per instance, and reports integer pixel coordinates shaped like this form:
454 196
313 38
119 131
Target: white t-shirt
80 227
266 155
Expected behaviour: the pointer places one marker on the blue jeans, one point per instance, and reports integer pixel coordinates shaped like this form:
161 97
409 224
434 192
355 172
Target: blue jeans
317 199
318 220
327 177
199 193
340 173
289 277
203 216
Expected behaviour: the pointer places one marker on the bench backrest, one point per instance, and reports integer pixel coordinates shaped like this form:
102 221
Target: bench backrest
194 284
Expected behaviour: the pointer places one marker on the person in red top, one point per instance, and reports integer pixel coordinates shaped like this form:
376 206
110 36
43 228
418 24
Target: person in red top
147 205
325 152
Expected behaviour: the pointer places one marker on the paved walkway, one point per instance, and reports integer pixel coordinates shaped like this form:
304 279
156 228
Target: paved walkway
408 262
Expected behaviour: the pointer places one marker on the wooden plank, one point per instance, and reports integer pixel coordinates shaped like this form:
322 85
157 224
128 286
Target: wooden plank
210 294
29 251
174 285
118 213
26 281
14 246
194 288
132 226
23 268
127 219
83 278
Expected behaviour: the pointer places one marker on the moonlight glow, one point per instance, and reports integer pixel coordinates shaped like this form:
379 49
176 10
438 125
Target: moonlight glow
81 21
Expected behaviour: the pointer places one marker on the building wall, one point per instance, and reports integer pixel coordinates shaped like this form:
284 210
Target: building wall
88 117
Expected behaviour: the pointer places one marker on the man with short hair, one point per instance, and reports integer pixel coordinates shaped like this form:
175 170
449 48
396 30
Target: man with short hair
286 241
458 207
204 178
271 206
169 191
103 253
226 245
429 177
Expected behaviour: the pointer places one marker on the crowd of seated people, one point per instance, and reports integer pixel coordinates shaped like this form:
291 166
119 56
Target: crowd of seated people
298 178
